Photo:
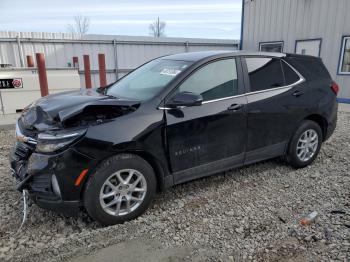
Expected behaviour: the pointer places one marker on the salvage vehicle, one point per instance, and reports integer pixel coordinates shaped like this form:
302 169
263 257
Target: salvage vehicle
176 118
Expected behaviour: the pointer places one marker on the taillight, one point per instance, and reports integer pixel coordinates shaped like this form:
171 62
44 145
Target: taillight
335 88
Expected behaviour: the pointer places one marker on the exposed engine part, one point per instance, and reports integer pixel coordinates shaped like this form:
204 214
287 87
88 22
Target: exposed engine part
97 114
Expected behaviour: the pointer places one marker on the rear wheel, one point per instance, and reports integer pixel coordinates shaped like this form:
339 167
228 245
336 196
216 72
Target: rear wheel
305 144
121 189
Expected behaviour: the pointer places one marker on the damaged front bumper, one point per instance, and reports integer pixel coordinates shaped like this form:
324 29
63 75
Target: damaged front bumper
49 178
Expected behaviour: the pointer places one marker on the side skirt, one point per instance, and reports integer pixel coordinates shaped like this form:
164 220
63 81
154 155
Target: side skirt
208 169
230 162
266 152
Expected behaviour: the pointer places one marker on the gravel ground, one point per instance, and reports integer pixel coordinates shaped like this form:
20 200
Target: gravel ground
251 213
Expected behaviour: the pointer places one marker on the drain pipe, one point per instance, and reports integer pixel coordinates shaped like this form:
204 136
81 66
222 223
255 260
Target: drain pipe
115 58
20 51
2 104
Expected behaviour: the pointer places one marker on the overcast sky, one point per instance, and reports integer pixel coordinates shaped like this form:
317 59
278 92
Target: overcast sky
184 18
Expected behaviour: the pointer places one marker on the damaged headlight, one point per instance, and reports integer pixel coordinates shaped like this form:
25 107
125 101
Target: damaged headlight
51 142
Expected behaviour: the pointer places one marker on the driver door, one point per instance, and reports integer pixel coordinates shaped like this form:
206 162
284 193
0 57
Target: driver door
211 137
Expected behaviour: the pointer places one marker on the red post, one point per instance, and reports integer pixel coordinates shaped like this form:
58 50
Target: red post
75 61
87 71
102 69
40 61
30 61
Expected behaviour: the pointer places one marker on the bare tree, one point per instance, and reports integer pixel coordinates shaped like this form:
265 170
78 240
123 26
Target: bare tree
80 26
157 28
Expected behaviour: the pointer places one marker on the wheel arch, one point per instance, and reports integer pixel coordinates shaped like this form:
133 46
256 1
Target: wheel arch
321 121
159 170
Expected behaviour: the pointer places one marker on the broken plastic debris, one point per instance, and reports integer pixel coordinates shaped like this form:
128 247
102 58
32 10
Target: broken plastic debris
309 219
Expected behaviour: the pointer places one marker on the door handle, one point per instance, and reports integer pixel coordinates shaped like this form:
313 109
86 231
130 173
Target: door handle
298 93
235 107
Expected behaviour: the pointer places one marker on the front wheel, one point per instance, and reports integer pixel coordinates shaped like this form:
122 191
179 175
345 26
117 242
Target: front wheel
305 144
120 189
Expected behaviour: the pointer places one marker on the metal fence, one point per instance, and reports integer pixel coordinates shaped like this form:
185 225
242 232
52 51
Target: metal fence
123 53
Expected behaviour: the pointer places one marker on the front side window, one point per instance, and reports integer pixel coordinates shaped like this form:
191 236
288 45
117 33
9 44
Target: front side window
213 81
148 80
264 73
271 47
344 67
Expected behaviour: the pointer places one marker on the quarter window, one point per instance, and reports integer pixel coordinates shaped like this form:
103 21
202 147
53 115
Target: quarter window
264 73
213 81
344 67
289 74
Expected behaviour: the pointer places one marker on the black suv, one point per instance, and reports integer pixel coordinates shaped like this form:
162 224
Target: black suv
174 119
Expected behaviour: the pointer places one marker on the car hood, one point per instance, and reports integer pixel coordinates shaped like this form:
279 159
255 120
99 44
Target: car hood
54 110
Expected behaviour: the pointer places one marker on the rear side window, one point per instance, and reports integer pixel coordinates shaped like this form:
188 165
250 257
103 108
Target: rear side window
289 74
264 73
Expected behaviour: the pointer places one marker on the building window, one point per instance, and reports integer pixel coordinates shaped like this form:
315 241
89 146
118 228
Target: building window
271 47
344 66
308 47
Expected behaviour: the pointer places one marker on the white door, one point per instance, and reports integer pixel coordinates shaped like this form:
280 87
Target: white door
308 47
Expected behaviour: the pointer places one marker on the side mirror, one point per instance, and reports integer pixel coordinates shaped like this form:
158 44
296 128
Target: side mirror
185 99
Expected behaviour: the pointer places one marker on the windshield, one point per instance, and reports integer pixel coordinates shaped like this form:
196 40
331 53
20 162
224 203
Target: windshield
148 80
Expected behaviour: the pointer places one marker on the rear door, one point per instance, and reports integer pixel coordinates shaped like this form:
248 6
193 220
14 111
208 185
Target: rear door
275 98
211 137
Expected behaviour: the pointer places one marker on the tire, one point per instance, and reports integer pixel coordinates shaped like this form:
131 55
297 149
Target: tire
104 188
295 145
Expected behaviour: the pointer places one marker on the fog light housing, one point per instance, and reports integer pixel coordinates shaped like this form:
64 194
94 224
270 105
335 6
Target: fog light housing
55 186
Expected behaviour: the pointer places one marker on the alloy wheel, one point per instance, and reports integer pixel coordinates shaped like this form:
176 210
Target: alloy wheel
307 145
123 192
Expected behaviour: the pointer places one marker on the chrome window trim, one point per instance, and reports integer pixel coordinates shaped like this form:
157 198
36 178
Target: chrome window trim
223 98
277 88
204 102
301 80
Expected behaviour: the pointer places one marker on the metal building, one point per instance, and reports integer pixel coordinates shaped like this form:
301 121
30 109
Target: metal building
312 27
123 53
